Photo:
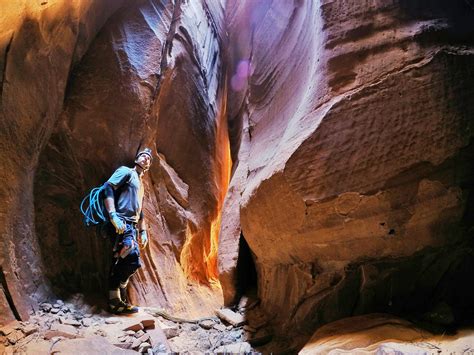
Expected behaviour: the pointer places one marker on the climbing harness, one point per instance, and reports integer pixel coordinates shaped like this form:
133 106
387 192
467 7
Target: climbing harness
93 208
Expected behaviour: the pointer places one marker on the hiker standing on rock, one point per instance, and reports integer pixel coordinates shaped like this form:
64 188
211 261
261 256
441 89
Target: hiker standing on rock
123 201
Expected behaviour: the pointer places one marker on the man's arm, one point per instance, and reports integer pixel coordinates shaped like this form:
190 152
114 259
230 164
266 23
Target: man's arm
142 235
109 202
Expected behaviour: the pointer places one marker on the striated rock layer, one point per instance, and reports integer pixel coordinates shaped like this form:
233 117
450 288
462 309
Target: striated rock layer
356 168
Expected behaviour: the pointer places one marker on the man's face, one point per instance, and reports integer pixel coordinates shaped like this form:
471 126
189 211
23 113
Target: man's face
144 160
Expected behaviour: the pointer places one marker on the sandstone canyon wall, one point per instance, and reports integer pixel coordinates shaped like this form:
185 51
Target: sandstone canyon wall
85 85
355 169
39 45
349 151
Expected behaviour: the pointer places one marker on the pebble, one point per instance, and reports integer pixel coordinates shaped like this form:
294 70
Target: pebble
55 310
87 322
46 307
160 348
144 347
112 321
122 338
136 343
145 337
78 316
220 327
139 334
207 324
69 321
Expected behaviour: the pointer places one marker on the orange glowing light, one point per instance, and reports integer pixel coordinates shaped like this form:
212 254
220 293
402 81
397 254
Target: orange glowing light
224 163
199 253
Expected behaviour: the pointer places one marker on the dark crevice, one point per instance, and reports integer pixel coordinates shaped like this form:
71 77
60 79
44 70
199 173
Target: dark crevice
8 296
166 49
246 271
5 61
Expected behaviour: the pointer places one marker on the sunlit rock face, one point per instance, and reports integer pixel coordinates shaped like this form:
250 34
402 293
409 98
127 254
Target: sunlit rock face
356 177
84 87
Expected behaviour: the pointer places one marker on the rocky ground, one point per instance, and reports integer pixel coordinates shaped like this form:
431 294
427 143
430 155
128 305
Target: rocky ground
73 327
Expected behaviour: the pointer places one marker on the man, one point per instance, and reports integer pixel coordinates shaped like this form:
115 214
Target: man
123 202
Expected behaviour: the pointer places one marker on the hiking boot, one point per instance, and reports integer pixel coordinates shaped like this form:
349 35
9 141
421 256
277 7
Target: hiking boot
118 306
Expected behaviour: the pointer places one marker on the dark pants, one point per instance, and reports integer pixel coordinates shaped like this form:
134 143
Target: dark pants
124 267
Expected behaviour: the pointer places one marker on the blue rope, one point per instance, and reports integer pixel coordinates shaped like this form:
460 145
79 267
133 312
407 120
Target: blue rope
94 213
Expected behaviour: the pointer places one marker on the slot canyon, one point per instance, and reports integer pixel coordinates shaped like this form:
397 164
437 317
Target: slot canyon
312 174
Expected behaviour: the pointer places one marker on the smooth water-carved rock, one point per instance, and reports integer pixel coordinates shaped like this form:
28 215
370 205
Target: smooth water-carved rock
350 148
360 155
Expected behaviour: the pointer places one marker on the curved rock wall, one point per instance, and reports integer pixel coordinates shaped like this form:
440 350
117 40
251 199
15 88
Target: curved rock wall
358 159
350 149
39 44
152 76
145 81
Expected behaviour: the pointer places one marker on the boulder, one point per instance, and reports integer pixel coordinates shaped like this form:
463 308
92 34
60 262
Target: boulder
236 319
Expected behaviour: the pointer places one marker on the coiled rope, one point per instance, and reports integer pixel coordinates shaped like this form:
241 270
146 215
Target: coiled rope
94 213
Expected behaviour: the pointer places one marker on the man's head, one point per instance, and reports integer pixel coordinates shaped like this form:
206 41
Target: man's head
143 159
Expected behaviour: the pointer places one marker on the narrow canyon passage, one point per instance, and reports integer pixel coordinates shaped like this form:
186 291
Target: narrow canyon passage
312 171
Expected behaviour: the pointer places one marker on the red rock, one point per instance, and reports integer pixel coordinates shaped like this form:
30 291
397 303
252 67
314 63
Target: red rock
350 136
54 118
134 327
148 323
338 157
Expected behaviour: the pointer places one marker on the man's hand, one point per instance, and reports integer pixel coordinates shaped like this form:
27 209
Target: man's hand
118 223
142 239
